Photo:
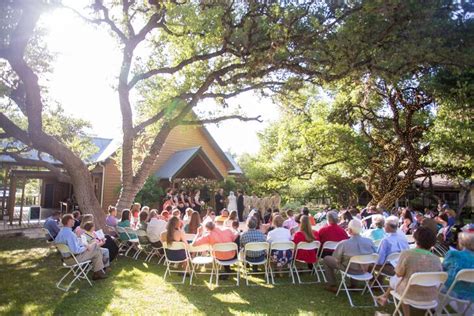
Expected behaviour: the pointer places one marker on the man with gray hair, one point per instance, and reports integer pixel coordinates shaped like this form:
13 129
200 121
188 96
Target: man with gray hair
332 231
394 242
354 246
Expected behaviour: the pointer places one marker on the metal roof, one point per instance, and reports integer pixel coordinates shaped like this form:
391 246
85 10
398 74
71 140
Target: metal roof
179 160
237 169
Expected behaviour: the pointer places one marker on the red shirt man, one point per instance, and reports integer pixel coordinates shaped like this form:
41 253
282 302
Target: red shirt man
332 231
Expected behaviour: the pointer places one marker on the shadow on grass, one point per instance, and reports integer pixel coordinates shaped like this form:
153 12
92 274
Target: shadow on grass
30 270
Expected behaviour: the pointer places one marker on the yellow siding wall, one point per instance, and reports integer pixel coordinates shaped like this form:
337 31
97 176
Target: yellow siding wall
181 137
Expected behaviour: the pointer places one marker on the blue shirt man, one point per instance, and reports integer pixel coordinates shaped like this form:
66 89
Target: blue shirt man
394 242
51 224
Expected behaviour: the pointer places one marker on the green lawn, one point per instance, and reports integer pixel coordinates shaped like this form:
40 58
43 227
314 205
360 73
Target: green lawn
29 271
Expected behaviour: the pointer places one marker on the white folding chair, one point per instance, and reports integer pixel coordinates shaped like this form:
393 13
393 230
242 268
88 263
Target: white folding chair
425 279
218 264
142 247
176 245
255 247
78 269
130 243
365 277
328 245
464 275
155 251
282 246
377 243
47 235
309 246
391 259
200 256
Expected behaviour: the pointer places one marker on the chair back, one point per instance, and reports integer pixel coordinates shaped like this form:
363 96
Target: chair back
427 279
392 258
197 249
47 234
121 230
308 245
377 243
465 275
130 231
364 259
257 246
63 249
226 246
282 245
141 233
330 245
175 245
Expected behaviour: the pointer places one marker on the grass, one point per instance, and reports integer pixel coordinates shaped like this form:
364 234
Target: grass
29 270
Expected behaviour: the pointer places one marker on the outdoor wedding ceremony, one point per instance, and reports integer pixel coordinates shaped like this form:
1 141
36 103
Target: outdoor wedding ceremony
196 157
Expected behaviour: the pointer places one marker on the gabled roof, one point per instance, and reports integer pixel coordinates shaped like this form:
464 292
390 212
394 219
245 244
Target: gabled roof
180 159
236 169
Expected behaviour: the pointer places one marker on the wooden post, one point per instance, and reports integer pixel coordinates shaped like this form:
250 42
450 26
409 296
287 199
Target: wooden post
22 200
5 181
11 198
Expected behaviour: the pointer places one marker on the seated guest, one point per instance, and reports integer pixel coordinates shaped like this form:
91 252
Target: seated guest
194 223
89 233
407 221
345 250
306 234
214 235
411 261
233 216
279 234
253 235
290 223
332 231
134 210
165 215
142 219
85 218
51 224
305 211
345 219
210 216
81 252
267 216
456 260
172 234
111 219
187 215
77 219
394 242
155 227
378 232
125 223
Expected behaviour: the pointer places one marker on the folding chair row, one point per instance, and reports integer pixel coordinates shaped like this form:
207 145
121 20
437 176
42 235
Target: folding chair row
205 255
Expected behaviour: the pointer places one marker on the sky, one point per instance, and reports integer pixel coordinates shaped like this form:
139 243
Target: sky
86 65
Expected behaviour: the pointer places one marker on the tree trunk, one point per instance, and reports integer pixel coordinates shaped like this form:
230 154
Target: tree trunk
130 188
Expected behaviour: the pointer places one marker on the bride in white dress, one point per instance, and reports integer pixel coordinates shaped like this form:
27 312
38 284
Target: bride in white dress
232 204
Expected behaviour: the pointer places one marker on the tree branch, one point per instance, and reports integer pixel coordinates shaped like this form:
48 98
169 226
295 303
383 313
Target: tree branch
170 70
222 118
